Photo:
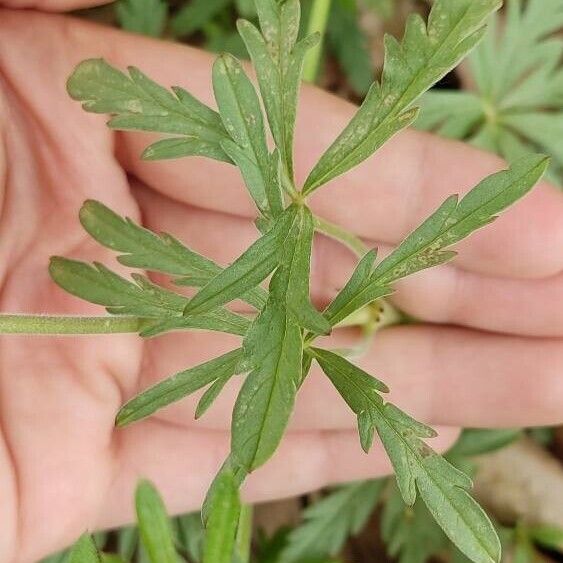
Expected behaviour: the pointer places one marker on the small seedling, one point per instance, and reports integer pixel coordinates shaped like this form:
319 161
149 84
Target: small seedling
278 343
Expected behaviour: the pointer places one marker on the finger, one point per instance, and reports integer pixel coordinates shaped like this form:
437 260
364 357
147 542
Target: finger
440 375
182 465
445 295
381 200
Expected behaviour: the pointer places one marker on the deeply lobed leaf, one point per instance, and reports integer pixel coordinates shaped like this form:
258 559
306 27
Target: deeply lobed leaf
178 386
442 487
241 114
427 246
278 59
150 251
137 103
425 55
330 521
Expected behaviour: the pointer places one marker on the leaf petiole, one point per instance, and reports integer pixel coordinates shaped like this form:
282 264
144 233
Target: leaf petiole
333 231
69 325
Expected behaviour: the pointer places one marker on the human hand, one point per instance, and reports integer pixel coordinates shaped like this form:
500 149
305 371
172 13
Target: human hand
63 467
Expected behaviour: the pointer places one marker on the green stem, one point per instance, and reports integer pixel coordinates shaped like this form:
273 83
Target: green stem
244 533
318 21
68 325
335 232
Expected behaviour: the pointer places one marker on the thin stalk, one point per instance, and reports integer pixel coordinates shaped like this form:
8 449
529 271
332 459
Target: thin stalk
335 232
68 325
244 533
318 21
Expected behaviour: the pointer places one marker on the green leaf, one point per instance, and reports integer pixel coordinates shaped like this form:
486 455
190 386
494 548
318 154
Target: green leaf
230 466
478 441
454 221
273 351
441 486
241 114
427 245
213 391
246 8
220 320
278 59
127 542
191 535
411 534
297 259
550 537
358 291
177 387
223 520
150 251
350 45
162 308
246 272
85 551
137 103
516 104
332 520
154 526
425 55
196 14
147 17
273 347
98 284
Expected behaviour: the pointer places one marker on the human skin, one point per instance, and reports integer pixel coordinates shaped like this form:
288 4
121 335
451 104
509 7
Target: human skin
488 352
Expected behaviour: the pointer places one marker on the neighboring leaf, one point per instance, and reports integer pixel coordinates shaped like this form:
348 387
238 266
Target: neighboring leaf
162 308
223 520
427 245
220 320
350 45
246 272
233 468
332 520
127 542
550 537
441 486
478 441
137 103
191 535
195 14
208 398
454 221
85 551
358 291
241 114
98 284
150 251
516 104
177 387
297 257
410 533
147 17
278 60
246 8
426 54
154 525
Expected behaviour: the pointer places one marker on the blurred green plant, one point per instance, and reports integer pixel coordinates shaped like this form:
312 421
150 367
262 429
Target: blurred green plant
513 103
